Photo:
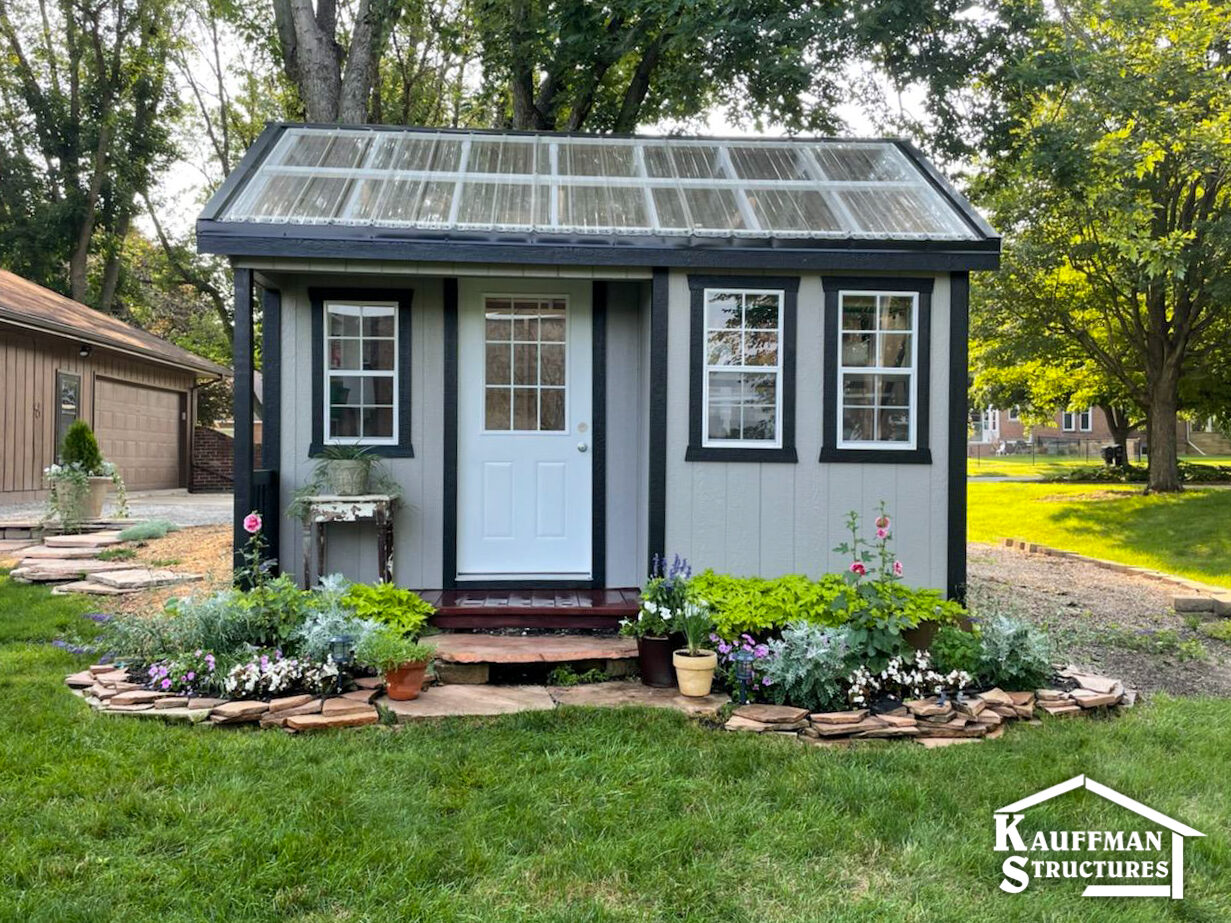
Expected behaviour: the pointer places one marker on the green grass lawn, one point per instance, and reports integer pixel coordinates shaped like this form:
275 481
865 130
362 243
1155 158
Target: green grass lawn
1024 466
1188 534
575 815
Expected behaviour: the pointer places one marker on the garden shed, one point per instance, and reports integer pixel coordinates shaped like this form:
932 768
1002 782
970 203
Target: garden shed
576 352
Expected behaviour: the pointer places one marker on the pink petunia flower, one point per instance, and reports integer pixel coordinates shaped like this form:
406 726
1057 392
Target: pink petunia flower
252 523
882 533
897 568
165 684
857 567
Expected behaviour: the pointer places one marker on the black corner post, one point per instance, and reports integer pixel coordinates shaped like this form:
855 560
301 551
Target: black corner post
657 538
242 363
959 385
448 557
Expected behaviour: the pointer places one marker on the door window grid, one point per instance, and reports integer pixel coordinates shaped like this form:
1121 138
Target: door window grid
525 364
876 371
68 405
743 368
361 346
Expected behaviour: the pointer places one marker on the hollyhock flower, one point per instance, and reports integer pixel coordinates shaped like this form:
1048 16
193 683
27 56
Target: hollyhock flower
882 522
252 523
897 568
882 533
857 567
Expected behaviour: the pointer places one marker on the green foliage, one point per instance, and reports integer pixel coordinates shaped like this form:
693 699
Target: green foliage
278 608
666 592
144 531
385 648
1219 630
759 605
1014 654
223 623
695 623
565 675
389 604
116 554
954 648
80 448
1190 472
807 666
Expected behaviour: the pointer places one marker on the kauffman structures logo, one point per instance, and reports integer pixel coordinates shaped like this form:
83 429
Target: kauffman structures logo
1115 863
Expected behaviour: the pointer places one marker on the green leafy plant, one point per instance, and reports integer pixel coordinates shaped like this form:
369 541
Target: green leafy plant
385 648
565 675
663 598
807 666
695 622
319 483
145 531
389 604
953 648
116 554
1219 630
1014 654
760 605
80 449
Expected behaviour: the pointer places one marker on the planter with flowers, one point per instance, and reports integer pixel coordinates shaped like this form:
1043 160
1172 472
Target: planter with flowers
661 601
695 665
79 483
403 661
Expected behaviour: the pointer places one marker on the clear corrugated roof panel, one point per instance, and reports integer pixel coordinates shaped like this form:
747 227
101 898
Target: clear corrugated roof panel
603 186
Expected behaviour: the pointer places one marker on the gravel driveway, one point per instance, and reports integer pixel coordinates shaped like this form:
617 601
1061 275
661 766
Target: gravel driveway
1116 624
179 506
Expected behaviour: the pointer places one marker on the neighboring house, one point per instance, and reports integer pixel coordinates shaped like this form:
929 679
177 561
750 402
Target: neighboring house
61 361
578 352
1001 432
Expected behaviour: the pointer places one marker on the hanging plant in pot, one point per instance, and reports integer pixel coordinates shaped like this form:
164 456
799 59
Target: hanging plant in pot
695 664
403 661
661 601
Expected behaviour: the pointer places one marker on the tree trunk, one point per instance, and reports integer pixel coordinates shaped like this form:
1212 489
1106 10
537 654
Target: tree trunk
1160 428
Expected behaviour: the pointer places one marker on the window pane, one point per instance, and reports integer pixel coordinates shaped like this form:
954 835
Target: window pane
498 364
552 409
893 426
344 320
669 205
551 364
761 347
278 197
857 425
525 364
345 389
858 312
304 150
551 324
503 156
857 348
894 391
378 389
526 322
687 161
760 387
859 162
377 321
496 411
344 354
723 347
725 420
761 312
722 310
759 162
435 200
322 197
525 408
895 350
597 160
378 422
759 422
713 209
792 210
858 389
378 355
499 320
344 422
896 312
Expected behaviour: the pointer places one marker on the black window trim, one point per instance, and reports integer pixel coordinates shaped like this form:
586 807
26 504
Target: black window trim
317 297
921 454
697 451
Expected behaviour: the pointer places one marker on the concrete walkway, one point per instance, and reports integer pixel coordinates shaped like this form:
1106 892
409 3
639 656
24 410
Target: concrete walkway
179 506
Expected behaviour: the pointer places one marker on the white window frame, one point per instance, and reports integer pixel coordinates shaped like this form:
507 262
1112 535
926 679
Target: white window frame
842 371
706 369
393 375
568 356
1075 421
1015 414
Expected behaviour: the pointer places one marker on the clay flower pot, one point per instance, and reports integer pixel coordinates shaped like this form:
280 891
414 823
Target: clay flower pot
349 477
654 661
695 672
406 682
92 504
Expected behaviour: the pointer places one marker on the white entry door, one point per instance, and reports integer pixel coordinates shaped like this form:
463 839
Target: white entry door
524 432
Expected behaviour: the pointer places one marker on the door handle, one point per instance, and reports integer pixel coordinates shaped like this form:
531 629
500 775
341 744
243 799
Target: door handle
581 447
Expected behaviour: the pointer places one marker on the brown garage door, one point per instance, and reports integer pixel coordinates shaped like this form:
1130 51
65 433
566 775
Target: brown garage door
139 429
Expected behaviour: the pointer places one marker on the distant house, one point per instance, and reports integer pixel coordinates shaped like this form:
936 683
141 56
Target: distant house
996 431
61 361
578 352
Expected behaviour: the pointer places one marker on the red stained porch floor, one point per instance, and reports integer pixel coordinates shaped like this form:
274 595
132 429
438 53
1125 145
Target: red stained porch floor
531 608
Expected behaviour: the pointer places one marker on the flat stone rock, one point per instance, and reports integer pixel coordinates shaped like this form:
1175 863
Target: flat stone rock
1087 699
958 727
620 694
972 708
933 742
1100 684
172 701
238 712
322 722
361 695
1022 699
736 723
113 705
928 708
1059 709
772 714
82 680
141 578
179 714
1051 695
59 554
871 723
839 717
451 701
477 648
197 702
370 682
289 701
85 586
996 697
341 706
49 571
898 721
99 668
890 731
84 540
278 718
136 696
101 692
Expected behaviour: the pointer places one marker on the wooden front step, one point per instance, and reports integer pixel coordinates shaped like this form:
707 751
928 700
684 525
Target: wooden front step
531 608
477 657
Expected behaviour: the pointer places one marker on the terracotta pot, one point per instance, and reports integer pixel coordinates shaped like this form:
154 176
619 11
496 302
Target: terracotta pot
348 477
695 672
654 661
92 503
406 682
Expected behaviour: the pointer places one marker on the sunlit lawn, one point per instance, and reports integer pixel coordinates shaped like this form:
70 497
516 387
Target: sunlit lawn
1187 533
574 815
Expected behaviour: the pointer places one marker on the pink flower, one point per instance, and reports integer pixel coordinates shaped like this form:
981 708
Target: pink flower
882 533
882 522
165 684
858 568
252 523
897 568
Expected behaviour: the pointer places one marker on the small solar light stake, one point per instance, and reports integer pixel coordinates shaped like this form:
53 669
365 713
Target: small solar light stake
340 654
743 673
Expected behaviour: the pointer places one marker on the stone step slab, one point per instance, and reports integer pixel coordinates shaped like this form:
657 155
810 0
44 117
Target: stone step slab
839 717
288 702
739 723
136 697
84 540
871 723
365 696
141 578
59 554
342 706
46 570
85 586
323 722
129 707
279 718
172 701
198 702
617 694
238 712
481 648
772 714
449 701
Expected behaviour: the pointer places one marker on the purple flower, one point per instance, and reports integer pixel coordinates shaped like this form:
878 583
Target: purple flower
767 681
190 676
724 648
165 684
99 617
761 650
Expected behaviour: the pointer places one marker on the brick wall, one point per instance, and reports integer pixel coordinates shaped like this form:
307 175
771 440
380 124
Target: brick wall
213 456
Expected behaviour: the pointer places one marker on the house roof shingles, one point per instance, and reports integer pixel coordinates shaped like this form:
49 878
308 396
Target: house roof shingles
28 304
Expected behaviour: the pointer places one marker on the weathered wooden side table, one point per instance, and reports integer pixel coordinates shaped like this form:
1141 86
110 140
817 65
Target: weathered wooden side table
327 509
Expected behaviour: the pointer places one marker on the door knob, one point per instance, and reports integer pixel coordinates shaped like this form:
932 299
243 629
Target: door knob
581 447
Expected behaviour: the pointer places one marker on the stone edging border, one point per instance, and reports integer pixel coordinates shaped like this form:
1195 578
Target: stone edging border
1200 598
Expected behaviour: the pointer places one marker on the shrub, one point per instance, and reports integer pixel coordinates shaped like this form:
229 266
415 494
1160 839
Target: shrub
190 674
220 622
385 648
80 448
311 639
278 607
144 531
1013 653
759 605
807 666
956 649
403 610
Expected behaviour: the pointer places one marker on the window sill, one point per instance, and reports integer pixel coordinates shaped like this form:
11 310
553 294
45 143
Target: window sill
380 451
831 455
698 453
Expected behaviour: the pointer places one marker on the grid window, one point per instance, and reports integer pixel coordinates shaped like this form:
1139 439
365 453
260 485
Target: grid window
361 348
742 397
68 405
525 364
876 369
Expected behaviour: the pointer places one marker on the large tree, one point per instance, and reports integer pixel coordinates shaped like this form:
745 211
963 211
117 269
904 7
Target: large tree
1114 196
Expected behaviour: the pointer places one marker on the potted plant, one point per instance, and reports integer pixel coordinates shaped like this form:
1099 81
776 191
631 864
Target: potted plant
348 469
402 660
662 599
695 664
80 482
